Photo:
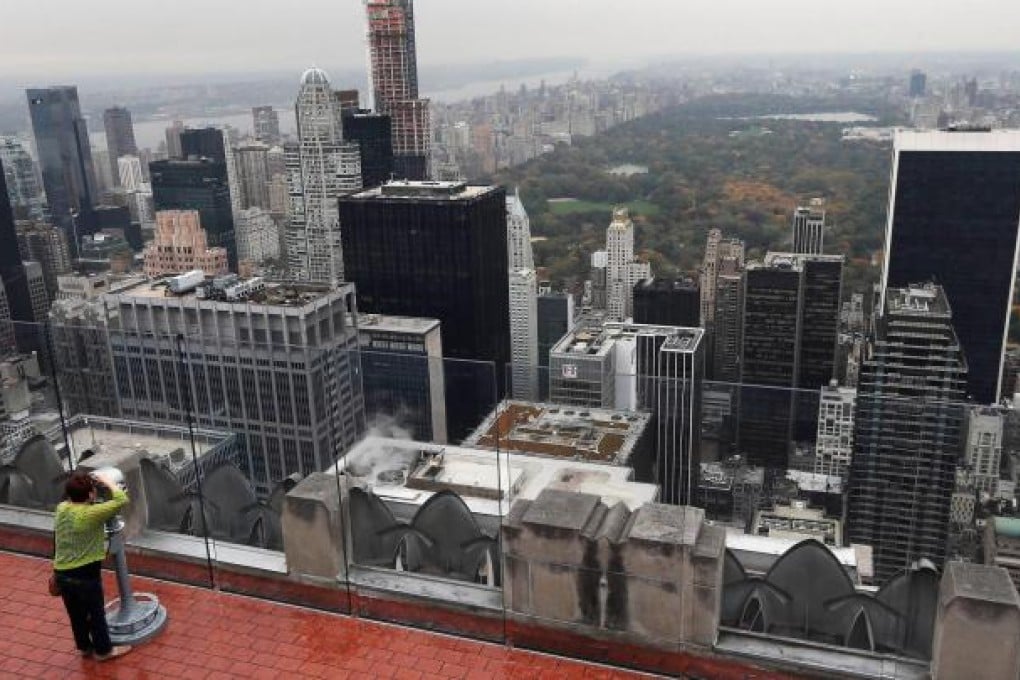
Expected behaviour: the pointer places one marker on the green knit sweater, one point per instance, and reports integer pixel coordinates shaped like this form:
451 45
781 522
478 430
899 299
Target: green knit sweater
80 538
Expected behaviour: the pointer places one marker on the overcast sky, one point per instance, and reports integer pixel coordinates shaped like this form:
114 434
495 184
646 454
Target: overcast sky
56 39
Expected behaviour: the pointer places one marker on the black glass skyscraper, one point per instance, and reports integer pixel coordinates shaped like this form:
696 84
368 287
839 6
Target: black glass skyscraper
374 135
954 213
555 318
65 159
200 185
668 302
203 143
439 250
12 271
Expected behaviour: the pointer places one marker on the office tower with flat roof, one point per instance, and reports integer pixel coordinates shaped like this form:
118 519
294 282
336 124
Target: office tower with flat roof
555 314
65 159
8 345
667 302
646 367
253 175
599 263
321 168
717 250
953 218
438 250
907 437
120 137
834 446
623 271
728 327
266 124
402 374
45 244
393 62
207 142
23 188
180 245
809 227
373 133
275 363
788 350
982 446
198 184
12 271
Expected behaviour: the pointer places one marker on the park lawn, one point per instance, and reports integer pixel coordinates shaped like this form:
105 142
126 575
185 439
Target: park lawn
639 207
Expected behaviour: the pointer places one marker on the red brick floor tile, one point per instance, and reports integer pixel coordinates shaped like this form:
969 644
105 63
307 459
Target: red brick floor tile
218 636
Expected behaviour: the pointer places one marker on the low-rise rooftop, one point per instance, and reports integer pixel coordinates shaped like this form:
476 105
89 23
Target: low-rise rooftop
588 434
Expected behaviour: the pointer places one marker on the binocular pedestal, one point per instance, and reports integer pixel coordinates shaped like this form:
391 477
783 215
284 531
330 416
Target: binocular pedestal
132 618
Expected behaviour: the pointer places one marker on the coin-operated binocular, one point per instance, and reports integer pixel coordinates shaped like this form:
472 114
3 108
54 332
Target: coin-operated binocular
133 617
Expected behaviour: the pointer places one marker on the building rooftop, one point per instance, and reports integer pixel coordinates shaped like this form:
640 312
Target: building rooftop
396 324
588 338
795 260
924 299
267 293
589 434
419 190
213 634
408 472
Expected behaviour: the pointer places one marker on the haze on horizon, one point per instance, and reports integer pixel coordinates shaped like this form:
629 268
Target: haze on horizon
58 40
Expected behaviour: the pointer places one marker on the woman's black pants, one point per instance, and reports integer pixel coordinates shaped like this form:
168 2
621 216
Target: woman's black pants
83 599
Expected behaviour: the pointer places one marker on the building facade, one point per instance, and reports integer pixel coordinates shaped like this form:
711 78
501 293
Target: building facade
555 314
266 124
953 218
834 446
622 270
258 238
45 244
120 138
23 187
402 373
253 175
907 437
65 159
373 133
321 167
277 366
524 359
180 245
982 451
667 302
198 184
809 227
438 250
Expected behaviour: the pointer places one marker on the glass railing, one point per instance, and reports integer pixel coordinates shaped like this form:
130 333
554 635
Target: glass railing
373 473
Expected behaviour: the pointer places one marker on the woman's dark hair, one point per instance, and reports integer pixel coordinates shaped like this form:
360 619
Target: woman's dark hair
79 486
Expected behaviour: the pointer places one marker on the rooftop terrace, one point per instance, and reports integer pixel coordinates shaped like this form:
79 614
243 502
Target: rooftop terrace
214 635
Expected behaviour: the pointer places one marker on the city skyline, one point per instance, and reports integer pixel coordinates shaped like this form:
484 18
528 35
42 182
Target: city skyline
85 39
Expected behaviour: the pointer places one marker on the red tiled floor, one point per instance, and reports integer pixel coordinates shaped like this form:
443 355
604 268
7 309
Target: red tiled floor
215 635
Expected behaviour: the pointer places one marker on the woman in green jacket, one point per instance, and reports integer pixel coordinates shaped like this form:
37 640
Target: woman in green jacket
79 548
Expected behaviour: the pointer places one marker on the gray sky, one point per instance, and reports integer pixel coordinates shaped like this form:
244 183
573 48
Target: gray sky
54 39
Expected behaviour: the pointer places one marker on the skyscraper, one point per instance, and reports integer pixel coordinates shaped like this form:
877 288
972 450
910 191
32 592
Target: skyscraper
788 340
809 227
394 70
523 304
23 187
729 320
202 185
622 270
834 446
266 124
954 211
918 83
12 272
45 244
721 256
373 133
321 168
439 250
907 435
65 158
173 140
120 137
258 237
667 302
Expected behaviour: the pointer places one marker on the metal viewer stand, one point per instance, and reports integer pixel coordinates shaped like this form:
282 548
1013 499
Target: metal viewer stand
133 617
